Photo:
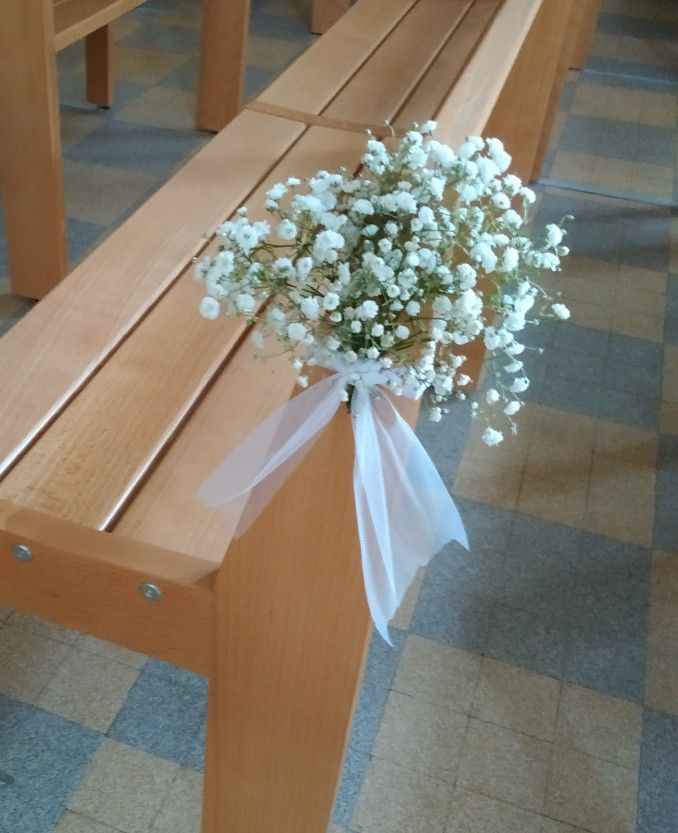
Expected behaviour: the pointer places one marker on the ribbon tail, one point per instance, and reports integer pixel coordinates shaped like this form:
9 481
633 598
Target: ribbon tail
405 512
254 471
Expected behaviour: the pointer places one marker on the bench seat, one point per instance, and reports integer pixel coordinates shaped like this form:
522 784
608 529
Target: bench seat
119 400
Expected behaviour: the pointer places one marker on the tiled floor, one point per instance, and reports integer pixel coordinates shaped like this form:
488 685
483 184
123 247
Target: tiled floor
533 687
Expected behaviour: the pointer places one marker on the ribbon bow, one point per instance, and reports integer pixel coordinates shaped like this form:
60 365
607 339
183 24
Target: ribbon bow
404 511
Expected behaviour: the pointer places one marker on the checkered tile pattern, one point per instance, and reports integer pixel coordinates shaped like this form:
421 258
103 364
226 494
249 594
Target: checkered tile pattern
533 686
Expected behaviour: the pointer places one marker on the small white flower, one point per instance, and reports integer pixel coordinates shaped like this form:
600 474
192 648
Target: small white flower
330 301
492 437
369 309
296 331
372 353
492 396
512 408
413 308
302 381
363 207
287 230
244 303
401 332
561 311
304 266
310 308
519 385
512 219
209 308
332 343
377 330
513 367
356 326
554 234
435 414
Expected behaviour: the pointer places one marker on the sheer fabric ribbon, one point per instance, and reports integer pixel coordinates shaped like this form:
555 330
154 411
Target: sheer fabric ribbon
404 511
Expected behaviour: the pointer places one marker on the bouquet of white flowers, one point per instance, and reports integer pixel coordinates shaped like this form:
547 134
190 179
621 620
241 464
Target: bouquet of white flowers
398 268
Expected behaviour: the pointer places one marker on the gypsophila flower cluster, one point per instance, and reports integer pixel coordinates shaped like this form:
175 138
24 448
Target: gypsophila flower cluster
402 266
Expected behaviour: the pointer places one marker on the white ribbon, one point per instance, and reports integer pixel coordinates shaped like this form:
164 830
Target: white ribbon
404 511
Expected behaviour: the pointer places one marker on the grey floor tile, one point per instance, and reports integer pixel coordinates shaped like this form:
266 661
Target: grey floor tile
82 237
173 674
142 147
658 793
178 39
671 319
382 663
161 717
42 758
666 495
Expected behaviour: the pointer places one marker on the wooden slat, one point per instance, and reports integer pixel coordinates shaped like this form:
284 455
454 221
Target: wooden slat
90 581
48 356
90 460
385 81
471 101
321 72
74 19
167 510
431 91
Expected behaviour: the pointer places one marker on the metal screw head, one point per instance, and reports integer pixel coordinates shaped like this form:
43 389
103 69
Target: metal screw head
150 592
22 552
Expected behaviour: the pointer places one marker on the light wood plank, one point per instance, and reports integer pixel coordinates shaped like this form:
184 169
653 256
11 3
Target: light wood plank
387 78
325 13
167 510
75 19
318 75
284 680
98 47
520 114
470 103
90 581
222 61
442 74
30 149
50 354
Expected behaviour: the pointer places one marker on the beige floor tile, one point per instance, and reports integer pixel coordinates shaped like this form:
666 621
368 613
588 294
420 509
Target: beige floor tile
488 481
43 628
668 418
558 501
662 638
664 576
475 813
592 292
505 765
123 26
629 322
27 661
661 677
603 726
123 787
624 444
591 793
145 66
75 823
88 689
107 650
553 826
633 177
271 53
76 124
641 301
592 270
647 280
438 673
623 104
621 501
396 800
403 616
670 381
516 699
421 736
98 194
596 316
182 810
162 107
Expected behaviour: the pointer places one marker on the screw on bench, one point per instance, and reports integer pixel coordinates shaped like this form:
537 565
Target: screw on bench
149 591
22 552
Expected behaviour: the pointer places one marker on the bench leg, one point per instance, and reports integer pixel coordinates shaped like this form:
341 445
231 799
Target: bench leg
30 149
225 26
291 631
98 67
536 78
325 13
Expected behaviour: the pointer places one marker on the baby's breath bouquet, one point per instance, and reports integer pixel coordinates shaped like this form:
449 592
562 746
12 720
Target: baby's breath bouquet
399 268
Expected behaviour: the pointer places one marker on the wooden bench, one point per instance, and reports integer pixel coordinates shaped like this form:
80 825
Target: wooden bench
31 32
119 399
